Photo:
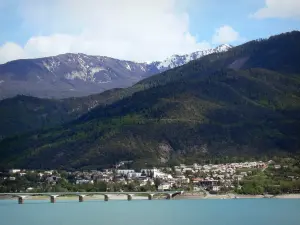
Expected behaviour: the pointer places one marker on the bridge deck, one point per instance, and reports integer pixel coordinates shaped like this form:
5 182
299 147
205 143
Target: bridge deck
87 193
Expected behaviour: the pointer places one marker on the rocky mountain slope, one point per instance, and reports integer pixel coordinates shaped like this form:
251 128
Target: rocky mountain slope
241 103
179 60
73 75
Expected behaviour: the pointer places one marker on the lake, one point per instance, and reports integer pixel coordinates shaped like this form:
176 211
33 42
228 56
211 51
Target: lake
156 212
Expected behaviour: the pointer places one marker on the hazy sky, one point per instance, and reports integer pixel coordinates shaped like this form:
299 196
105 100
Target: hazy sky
140 30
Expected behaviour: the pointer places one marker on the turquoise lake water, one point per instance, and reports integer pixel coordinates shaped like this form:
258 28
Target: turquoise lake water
156 212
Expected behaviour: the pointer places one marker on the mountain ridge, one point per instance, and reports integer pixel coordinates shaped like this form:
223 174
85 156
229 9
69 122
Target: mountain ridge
76 75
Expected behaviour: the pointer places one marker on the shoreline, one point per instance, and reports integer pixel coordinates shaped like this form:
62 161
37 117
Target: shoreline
184 196
236 196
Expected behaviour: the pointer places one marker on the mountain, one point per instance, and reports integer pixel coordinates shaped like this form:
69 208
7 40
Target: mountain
179 60
241 103
74 75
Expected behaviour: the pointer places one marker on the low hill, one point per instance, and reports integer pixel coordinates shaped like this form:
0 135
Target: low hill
22 114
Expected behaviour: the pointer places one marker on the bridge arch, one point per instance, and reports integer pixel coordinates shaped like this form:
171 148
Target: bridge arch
168 195
106 195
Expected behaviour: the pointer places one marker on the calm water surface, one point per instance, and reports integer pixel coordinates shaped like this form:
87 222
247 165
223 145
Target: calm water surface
159 212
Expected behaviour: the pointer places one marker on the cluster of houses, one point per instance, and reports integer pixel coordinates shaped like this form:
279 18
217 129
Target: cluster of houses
125 176
211 177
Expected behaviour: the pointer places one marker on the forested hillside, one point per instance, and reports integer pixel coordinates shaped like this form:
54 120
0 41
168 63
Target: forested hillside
22 114
242 103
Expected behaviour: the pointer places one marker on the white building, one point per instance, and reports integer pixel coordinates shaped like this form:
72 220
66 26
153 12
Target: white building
83 181
159 174
12 178
134 175
49 172
216 188
164 187
124 172
14 171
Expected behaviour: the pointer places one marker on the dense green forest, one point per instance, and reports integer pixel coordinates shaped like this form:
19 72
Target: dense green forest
241 103
23 114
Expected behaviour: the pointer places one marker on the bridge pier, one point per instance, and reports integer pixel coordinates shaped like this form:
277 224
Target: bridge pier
21 199
106 198
81 198
129 197
53 198
150 196
169 196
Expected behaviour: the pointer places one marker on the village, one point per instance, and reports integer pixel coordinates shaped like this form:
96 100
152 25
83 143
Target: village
212 178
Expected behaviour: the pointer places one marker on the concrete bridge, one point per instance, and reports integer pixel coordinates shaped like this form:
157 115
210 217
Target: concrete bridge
53 195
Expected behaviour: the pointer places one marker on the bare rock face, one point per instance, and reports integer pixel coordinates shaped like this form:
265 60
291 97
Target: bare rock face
74 75
165 151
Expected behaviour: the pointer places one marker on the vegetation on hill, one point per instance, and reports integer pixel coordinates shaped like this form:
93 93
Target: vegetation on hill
22 114
245 102
284 179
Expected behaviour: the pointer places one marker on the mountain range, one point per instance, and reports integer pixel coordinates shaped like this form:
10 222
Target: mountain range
240 103
74 75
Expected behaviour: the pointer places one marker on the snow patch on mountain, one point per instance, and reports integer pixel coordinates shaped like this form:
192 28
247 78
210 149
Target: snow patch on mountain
76 75
96 70
142 68
223 48
179 60
51 64
128 66
86 74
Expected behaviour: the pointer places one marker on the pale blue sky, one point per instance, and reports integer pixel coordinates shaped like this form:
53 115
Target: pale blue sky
140 30
236 13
